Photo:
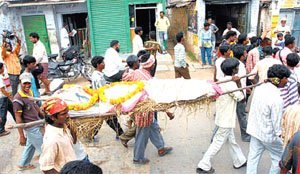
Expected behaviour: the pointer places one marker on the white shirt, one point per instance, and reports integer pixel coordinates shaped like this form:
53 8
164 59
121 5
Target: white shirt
64 38
137 44
242 72
162 24
219 72
2 85
226 105
39 52
79 150
179 53
232 29
261 68
264 121
97 79
113 62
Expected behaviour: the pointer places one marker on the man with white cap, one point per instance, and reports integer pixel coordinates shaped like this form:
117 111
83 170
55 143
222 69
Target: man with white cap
26 111
282 28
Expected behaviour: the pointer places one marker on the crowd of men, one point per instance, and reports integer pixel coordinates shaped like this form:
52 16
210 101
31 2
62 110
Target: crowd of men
267 114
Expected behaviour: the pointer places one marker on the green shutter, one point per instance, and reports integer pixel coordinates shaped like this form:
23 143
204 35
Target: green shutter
35 24
109 20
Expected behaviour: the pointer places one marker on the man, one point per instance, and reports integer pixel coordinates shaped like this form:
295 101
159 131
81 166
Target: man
282 28
265 118
114 68
289 46
57 149
40 54
240 53
290 159
214 29
64 37
230 39
180 65
229 28
225 54
5 103
225 120
152 43
26 111
254 54
289 92
205 44
162 24
261 68
137 42
12 62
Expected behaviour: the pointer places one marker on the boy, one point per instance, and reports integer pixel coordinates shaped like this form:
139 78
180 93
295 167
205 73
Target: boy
225 120
240 53
279 43
206 44
180 66
97 82
225 53
5 103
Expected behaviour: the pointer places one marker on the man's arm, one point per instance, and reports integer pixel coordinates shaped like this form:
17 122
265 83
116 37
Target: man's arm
19 120
48 156
18 46
7 94
168 23
215 73
286 161
276 114
182 57
216 29
52 171
3 51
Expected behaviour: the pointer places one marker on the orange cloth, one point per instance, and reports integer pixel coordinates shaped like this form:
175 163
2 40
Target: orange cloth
54 105
11 60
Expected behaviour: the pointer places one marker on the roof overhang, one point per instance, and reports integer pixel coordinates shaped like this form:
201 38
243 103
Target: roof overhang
48 2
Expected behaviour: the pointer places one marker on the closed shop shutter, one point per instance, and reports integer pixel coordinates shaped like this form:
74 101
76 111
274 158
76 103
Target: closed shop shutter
225 1
109 20
296 28
35 24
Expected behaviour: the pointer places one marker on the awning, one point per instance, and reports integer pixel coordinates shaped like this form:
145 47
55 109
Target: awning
38 3
179 3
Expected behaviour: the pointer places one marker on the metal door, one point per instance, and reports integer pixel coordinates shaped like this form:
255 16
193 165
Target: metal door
296 28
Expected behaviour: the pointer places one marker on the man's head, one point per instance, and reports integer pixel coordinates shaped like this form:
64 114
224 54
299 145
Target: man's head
115 45
147 61
34 37
275 50
25 82
230 67
98 63
1 68
243 39
80 167
229 25
138 31
56 111
290 42
65 25
209 20
206 26
280 36
240 53
225 51
287 35
283 21
292 60
29 62
180 37
278 75
162 14
152 35
268 51
133 62
231 36
8 47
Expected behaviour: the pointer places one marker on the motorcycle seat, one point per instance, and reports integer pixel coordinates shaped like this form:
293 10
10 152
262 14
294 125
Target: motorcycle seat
52 56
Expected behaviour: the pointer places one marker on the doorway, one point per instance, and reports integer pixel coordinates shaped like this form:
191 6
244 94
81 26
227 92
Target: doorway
78 22
223 13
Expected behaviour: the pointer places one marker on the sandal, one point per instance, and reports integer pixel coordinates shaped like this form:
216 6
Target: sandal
29 167
4 133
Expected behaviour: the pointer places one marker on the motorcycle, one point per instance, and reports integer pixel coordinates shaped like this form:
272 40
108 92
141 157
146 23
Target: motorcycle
72 66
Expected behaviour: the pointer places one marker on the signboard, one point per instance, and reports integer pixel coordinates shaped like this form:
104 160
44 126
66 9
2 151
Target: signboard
193 21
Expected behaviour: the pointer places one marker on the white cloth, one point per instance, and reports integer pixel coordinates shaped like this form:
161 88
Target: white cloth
226 104
162 24
264 121
113 62
219 72
242 72
39 52
2 85
284 30
79 150
232 29
98 79
64 38
261 68
137 44
179 53
222 136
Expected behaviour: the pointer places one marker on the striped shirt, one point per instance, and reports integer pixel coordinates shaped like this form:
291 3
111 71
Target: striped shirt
179 53
289 92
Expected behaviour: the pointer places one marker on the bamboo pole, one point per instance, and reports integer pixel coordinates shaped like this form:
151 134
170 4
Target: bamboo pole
244 76
240 89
